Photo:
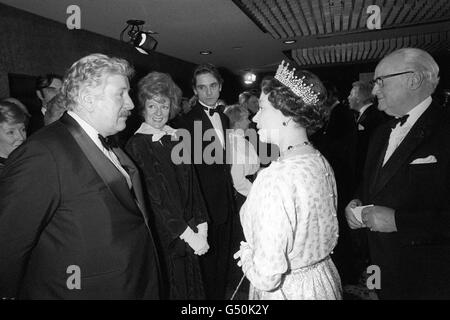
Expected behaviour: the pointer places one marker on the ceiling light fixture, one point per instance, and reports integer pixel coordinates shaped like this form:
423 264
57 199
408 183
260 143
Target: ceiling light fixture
291 41
249 77
205 52
141 40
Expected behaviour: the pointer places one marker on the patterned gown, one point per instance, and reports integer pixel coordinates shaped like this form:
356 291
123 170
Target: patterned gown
290 225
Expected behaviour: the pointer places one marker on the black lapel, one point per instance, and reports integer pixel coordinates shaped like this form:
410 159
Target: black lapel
107 171
133 172
423 127
365 114
375 156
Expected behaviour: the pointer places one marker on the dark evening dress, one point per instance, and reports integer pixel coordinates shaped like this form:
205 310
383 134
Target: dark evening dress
174 196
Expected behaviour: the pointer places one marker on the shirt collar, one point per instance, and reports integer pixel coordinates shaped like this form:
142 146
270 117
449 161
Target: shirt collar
417 111
364 108
145 128
209 107
90 131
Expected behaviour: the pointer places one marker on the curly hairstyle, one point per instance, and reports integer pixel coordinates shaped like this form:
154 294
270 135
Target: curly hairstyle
90 71
309 116
159 84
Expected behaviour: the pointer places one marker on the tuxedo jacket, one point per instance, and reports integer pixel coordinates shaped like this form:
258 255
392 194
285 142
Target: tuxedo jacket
415 182
63 206
215 179
367 123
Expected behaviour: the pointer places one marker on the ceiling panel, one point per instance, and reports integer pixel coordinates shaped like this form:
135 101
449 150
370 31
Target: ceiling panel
369 50
335 31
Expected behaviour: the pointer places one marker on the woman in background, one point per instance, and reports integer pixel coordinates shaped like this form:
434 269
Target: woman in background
245 161
179 213
13 122
289 217
244 165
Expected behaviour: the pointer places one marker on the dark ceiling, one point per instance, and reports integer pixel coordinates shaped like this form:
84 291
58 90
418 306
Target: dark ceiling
249 34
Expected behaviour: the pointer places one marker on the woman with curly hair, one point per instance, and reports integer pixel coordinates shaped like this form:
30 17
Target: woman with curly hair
289 217
179 213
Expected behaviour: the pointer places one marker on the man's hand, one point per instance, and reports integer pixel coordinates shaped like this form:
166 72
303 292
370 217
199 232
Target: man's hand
380 219
353 223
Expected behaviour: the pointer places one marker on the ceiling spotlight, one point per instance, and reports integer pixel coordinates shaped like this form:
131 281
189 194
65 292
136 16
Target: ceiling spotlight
205 52
141 40
249 78
291 41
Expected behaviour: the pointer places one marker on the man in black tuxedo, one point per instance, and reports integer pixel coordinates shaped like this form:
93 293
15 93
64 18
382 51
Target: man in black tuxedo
206 117
47 87
407 180
368 118
73 223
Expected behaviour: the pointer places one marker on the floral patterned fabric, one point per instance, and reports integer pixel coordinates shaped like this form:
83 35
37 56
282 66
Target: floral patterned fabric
290 225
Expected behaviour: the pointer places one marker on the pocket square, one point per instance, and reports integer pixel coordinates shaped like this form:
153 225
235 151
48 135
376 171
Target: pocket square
429 159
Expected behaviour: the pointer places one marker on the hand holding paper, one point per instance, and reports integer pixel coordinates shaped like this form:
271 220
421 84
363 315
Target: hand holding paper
358 210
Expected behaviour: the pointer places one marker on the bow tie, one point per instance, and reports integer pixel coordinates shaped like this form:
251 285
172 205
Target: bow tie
400 120
107 143
211 111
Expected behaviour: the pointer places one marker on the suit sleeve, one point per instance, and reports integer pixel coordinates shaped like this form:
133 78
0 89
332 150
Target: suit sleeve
200 212
29 197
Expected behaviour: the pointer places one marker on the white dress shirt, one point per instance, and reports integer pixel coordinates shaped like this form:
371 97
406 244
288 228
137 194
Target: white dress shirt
245 161
93 134
216 122
400 131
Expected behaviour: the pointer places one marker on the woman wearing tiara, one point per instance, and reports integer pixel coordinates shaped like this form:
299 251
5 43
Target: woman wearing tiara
289 217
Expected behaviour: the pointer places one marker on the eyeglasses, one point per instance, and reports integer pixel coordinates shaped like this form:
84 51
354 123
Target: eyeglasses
379 80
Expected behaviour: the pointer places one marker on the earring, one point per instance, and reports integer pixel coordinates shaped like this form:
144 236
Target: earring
285 123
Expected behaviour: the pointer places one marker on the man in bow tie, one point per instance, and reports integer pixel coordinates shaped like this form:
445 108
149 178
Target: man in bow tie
215 178
368 118
407 180
73 221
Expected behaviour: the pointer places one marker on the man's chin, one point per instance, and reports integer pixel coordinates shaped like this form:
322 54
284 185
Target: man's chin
210 103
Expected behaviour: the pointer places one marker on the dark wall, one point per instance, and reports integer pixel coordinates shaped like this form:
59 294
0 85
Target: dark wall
33 45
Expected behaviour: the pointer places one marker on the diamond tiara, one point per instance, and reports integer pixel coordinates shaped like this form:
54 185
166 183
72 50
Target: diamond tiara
296 84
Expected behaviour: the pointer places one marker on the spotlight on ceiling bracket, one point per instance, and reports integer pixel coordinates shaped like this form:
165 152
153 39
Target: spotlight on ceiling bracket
141 40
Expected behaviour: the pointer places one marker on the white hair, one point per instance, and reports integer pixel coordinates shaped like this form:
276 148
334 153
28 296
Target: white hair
421 61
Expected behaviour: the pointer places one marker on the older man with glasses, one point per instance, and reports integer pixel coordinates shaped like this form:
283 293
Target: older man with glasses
406 182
